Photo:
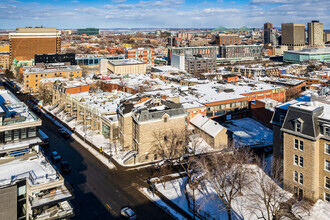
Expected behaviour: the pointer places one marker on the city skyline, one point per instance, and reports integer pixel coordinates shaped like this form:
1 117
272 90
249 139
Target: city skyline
160 14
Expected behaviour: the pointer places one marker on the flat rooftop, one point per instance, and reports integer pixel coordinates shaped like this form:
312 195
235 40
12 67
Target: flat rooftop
33 167
311 51
11 107
51 69
125 62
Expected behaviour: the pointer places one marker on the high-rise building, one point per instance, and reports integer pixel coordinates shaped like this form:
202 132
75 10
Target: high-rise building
27 42
270 35
326 37
293 35
268 26
315 33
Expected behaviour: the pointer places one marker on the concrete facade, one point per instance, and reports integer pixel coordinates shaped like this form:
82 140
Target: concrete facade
315 33
293 35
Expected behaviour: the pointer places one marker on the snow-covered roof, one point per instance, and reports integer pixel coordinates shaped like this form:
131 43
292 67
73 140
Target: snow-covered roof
36 169
207 125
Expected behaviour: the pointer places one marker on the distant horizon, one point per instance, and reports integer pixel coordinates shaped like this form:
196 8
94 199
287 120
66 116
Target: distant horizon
160 14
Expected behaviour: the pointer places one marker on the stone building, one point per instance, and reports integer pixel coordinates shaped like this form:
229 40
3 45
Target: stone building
141 119
305 133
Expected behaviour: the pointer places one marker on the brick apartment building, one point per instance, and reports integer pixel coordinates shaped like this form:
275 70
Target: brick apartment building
145 55
227 39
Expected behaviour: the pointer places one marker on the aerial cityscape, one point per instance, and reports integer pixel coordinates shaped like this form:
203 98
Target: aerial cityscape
169 109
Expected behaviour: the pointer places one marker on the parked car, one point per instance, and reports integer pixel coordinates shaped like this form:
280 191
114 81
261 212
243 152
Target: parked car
65 167
36 110
127 213
64 132
55 156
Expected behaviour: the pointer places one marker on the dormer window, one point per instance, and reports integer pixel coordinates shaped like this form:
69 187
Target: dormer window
326 130
298 125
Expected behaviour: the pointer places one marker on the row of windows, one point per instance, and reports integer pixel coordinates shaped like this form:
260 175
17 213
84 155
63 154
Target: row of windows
50 74
17 134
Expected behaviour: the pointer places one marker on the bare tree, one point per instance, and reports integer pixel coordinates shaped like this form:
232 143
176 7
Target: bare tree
227 174
45 94
266 193
170 144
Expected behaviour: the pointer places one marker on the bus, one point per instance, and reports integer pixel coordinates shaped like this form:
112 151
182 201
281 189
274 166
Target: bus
44 138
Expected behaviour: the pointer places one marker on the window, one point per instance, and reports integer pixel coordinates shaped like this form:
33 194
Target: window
301 145
155 156
295 176
327 165
327 182
281 119
32 132
298 127
327 149
327 197
301 178
23 133
296 143
326 131
165 119
296 160
301 161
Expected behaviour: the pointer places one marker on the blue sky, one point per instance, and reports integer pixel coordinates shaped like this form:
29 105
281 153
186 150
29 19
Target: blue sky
160 13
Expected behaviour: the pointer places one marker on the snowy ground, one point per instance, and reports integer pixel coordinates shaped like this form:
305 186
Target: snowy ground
249 132
115 149
91 138
242 206
153 197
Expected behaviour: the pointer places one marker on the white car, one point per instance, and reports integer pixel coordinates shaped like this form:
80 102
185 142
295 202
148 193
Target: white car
127 213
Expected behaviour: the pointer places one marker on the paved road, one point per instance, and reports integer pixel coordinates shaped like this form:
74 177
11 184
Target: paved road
99 192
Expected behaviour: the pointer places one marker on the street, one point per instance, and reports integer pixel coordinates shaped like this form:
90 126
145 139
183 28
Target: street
99 193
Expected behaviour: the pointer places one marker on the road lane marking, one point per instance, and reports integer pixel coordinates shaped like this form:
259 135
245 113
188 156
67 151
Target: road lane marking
111 210
109 207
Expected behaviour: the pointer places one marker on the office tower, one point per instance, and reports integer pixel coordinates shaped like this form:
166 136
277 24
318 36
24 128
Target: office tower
315 33
27 42
293 35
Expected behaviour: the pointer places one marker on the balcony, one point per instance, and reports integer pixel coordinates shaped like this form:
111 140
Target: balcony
50 196
58 211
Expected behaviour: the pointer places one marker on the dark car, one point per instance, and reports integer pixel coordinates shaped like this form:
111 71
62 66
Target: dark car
36 110
55 156
64 132
127 213
65 167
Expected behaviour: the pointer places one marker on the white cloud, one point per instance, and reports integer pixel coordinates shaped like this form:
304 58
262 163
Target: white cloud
118 1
